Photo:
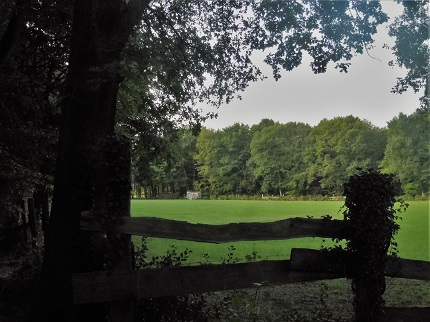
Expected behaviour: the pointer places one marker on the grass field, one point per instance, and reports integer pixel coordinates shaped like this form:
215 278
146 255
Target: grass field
413 237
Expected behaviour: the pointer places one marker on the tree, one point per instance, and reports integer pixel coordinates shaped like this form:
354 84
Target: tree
169 169
100 32
12 13
261 125
207 159
32 72
184 171
222 158
407 151
235 152
337 147
277 152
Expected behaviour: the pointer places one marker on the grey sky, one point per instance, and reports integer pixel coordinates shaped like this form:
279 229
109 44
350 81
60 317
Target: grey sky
301 96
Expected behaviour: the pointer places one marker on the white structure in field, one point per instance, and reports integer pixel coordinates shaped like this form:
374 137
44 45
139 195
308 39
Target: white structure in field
191 195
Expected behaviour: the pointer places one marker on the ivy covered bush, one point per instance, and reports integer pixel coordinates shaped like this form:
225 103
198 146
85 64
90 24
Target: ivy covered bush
372 208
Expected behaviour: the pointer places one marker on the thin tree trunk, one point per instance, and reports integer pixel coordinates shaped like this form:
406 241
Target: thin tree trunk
32 221
12 32
24 221
45 214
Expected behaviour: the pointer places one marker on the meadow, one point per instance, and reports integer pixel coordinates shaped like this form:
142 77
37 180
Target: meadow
412 239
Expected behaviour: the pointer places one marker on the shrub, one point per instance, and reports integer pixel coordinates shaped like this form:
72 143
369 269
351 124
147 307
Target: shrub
169 308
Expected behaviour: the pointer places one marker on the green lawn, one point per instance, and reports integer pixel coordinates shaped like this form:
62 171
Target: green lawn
413 237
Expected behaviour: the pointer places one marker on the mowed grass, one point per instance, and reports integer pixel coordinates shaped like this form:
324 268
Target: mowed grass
412 239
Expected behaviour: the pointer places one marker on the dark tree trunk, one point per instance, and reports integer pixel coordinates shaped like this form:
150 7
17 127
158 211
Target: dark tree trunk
24 221
32 220
45 214
100 32
11 34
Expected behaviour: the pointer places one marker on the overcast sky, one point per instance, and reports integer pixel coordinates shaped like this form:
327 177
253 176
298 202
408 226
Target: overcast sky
302 96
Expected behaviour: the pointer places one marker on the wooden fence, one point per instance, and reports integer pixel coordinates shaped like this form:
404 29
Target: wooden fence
304 264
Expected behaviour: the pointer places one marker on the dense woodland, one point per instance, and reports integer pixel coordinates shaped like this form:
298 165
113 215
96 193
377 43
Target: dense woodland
83 80
292 159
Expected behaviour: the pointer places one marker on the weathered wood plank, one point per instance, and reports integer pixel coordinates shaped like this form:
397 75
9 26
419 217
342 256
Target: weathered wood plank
305 265
408 268
311 260
278 230
124 285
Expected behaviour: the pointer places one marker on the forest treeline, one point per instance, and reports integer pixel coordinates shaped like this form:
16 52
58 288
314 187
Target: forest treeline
293 159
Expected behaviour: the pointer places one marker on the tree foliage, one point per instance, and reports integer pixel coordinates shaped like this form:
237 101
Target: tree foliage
411 31
32 73
407 153
278 152
337 147
170 170
291 158
222 157
296 159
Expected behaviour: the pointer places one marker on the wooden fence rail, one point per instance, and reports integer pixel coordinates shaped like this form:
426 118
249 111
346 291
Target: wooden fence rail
125 285
305 265
277 230
310 260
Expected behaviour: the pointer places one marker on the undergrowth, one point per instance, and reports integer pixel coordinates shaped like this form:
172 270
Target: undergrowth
262 302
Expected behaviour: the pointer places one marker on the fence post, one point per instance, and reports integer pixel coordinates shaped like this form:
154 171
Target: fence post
113 200
371 215
119 188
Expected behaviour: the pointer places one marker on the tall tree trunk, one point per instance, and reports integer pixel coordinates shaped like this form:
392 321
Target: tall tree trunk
100 31
11 34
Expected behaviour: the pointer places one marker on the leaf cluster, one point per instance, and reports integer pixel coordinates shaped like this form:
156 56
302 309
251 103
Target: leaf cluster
411 48
407 151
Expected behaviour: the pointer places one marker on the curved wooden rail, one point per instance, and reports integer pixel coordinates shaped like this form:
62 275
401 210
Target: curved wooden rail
277 230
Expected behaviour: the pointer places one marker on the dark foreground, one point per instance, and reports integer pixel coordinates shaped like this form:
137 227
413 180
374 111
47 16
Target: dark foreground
408 300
